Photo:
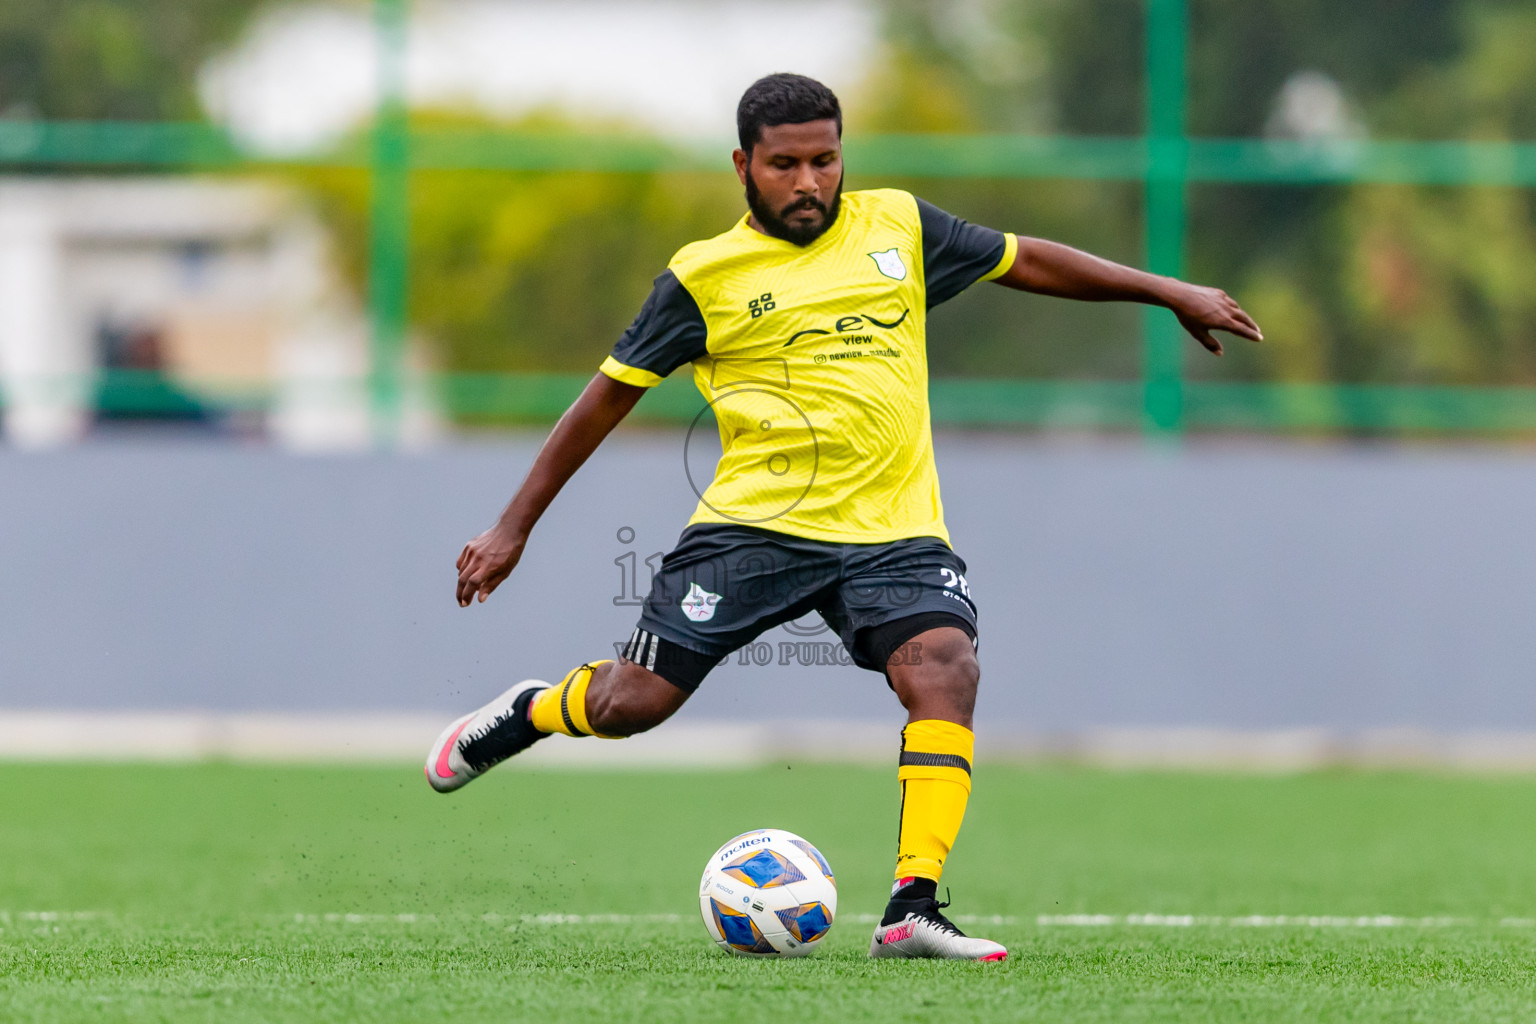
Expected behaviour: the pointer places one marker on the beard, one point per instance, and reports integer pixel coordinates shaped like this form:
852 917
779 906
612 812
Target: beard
776 222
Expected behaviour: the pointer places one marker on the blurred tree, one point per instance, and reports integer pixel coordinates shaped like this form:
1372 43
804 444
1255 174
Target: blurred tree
1355 283
1443 280
1006 66
525 271
988 66
1241 55
108 59
531 271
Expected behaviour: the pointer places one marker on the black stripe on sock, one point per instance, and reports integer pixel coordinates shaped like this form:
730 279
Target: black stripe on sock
912 757
565 709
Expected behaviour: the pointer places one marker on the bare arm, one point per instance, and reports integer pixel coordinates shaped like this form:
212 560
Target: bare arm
491 557
1050 268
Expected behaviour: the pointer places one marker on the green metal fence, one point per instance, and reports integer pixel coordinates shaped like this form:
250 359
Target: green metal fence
1164 160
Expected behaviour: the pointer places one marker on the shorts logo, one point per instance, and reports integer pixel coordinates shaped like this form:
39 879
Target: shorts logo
699 604
890 264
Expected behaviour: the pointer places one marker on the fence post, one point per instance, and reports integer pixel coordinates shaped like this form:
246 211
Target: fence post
389 223
1167 151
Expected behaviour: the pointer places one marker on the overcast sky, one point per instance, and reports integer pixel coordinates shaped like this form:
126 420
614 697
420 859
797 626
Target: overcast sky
305 73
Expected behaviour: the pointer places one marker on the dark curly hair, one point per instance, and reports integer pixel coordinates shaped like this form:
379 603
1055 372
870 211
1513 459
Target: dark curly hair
784 99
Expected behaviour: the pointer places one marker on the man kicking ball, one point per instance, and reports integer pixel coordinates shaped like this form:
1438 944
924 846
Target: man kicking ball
805 324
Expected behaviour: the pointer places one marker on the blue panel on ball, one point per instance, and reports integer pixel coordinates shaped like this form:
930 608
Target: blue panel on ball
738 930
763 869
734 927
807 922
816 856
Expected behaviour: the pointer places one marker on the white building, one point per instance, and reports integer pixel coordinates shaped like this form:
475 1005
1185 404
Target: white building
231 282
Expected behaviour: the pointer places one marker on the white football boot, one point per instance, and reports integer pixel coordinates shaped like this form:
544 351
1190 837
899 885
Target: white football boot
478 742
924 933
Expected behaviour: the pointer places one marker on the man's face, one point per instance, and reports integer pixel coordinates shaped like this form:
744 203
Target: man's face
794 180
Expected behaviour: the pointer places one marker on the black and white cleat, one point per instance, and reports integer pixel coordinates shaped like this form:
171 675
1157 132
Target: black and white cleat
922 932
478 742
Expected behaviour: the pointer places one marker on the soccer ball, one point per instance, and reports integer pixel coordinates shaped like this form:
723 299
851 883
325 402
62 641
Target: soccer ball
768 893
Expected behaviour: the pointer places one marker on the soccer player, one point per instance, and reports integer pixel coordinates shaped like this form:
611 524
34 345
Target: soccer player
804 324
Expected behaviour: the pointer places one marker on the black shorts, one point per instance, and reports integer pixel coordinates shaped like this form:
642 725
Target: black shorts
725 585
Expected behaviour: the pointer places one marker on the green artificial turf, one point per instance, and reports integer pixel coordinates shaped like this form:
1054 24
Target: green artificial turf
262 893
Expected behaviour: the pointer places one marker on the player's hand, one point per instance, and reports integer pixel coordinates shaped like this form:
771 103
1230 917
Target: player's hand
486 561
1202 310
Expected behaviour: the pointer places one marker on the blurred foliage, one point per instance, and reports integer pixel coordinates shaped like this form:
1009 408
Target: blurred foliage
1374 283
1355 283
110 59
531 271
1362 283
991 66
1007 66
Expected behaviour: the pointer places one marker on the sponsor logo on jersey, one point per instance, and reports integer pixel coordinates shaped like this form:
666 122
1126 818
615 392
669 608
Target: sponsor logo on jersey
890 264
847 324
699 604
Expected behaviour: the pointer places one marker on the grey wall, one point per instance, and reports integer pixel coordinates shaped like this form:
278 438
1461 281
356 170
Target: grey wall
1249 586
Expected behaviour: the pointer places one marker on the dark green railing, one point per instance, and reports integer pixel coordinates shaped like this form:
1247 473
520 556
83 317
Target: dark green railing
119 144
957 402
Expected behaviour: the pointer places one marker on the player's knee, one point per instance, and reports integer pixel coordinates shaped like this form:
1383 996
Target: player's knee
945 674
959 674
949 652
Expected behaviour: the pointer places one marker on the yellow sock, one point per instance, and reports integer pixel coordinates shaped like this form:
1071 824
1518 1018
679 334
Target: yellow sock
935 776
563 707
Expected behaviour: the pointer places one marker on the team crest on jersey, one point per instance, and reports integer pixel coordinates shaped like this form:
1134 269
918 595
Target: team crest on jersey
890 264
699 604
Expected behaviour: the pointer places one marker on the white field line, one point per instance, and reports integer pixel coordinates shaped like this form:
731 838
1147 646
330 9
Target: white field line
1101 920
8 917
43 922
1261 921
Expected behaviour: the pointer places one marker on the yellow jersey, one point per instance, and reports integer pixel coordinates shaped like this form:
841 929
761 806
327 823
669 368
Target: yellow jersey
813 360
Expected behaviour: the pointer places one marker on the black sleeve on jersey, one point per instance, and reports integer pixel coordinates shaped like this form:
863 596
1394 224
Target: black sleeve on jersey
956 253
668 332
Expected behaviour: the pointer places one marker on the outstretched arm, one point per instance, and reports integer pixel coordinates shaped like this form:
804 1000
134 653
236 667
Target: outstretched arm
1050 268
491 557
